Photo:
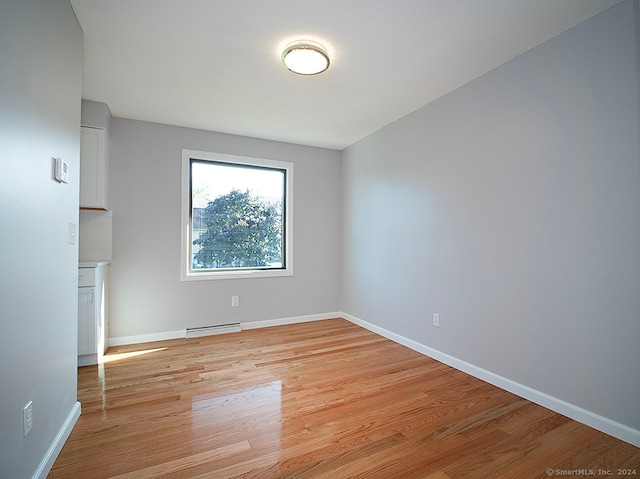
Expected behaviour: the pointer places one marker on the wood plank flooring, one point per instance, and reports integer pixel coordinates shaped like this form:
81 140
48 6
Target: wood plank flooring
324 399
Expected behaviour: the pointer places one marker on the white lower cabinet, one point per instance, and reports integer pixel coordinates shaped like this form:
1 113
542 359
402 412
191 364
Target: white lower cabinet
92 314
86 319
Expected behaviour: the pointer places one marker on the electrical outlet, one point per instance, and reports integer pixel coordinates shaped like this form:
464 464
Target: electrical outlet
436 320
235 301
72 233
27 418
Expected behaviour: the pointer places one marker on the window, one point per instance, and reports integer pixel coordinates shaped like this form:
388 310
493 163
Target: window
236 216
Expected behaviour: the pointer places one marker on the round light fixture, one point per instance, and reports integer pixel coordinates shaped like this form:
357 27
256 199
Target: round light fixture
305 57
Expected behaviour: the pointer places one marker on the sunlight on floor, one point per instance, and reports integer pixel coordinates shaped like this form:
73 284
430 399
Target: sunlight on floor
118 356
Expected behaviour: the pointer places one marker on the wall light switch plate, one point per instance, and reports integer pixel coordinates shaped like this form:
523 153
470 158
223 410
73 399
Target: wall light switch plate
436 320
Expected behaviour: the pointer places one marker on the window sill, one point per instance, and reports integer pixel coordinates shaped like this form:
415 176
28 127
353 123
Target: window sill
244 274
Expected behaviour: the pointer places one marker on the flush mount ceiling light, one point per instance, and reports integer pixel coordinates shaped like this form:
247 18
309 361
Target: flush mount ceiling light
305 57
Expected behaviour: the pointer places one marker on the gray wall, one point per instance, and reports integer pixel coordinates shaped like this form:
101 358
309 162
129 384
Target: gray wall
511 207
147 295
40 91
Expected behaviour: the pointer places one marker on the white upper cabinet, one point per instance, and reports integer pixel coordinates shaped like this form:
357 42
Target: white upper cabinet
94 168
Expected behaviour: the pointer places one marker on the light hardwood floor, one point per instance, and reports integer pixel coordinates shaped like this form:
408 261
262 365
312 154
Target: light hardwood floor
322 399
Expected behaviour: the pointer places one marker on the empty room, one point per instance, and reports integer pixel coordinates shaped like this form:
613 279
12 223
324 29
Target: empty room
337 239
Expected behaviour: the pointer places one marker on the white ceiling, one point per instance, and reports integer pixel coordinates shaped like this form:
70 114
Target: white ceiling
215 64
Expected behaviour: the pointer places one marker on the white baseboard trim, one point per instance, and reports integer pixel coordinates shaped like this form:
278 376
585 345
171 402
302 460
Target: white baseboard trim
596 421
147 338
266 323
56 446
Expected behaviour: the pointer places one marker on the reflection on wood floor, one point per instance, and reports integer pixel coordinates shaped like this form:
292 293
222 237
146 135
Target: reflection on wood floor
320 399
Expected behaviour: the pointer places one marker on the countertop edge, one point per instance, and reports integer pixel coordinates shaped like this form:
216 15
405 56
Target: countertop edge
92 264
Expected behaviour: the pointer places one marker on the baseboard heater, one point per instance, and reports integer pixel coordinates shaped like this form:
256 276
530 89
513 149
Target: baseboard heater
213 329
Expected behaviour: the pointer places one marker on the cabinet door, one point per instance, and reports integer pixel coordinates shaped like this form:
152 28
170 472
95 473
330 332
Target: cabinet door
94 168
86 321
100 309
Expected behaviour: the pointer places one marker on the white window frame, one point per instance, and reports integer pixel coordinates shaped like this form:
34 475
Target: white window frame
186 274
